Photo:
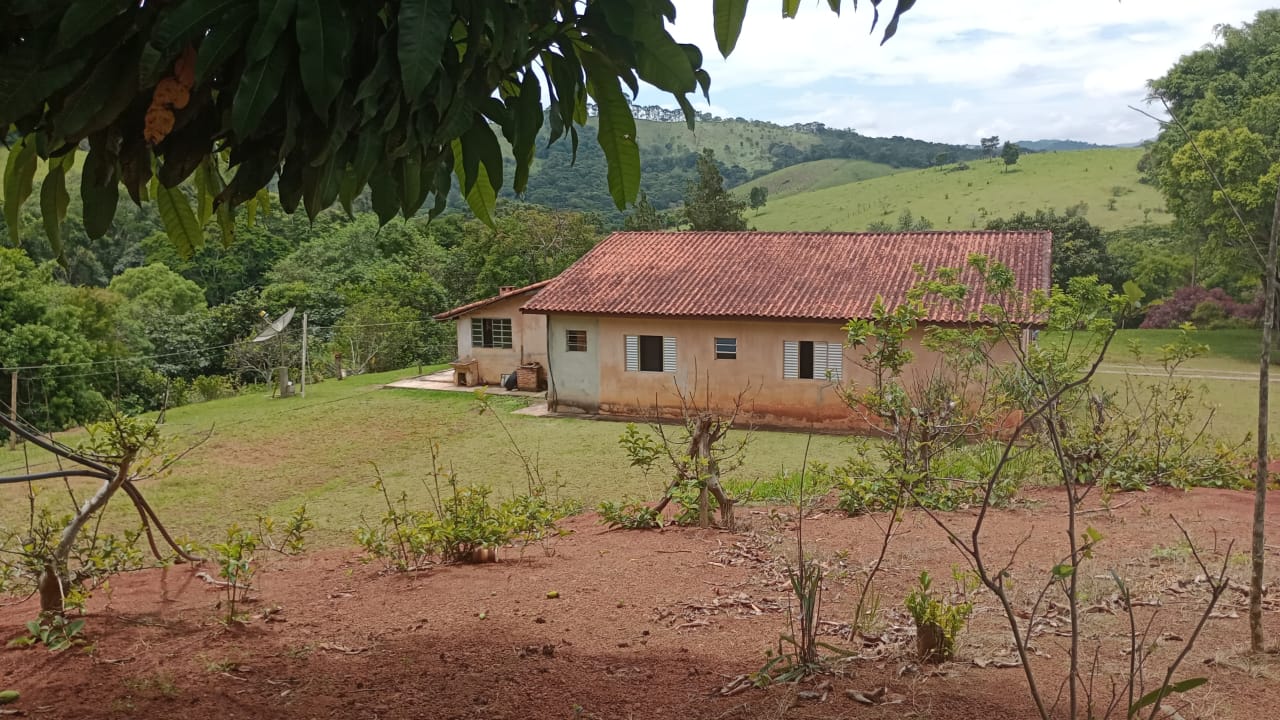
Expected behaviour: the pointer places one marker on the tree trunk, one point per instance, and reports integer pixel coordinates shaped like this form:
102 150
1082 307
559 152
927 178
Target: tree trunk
54 576
1256 637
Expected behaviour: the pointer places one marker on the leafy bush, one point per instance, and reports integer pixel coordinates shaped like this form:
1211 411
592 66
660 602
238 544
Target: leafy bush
957 479
94 558
212 387
464 523
1215 308
629 514
938 621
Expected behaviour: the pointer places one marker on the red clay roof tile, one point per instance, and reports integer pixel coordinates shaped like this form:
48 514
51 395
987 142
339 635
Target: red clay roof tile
463 309
816 276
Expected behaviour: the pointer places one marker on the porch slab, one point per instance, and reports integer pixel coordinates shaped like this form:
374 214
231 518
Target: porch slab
443 380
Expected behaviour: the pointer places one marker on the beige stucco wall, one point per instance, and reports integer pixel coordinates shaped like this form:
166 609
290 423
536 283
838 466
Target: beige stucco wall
772 400
528 339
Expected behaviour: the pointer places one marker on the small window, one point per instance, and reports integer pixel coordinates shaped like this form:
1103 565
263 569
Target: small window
726 348
806 359
651 353
491 332
575 340
812 360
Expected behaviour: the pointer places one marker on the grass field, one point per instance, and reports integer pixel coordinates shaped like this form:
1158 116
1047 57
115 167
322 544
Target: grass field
735 143
268 456
965 199
1226 375
815 175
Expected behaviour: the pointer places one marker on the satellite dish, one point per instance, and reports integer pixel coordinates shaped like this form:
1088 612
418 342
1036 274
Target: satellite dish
275 327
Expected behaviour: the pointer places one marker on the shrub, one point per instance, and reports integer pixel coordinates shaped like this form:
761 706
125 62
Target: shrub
212 387
629 514
464 525
1213 305
956 479
938 621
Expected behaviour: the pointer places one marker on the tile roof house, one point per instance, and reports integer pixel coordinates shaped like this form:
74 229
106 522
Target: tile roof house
645 312
495 340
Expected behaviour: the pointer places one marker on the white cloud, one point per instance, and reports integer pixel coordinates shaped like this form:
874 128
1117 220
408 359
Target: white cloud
1024 69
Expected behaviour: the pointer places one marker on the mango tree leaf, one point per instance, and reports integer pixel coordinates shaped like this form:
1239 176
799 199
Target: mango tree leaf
423 28
182 22
258 89
99 193
273 18
221 43
1161 693
892 28
384 194
24 85
53 206
323 43
480 146
19 174
790 8
84 17
617 135
727 16
178 219
480 198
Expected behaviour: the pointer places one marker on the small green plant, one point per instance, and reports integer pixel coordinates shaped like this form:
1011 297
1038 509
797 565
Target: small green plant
55 632
236 558
292 539
629 514
938 621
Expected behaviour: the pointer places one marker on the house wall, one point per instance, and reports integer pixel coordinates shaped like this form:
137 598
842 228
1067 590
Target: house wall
771 399
528 339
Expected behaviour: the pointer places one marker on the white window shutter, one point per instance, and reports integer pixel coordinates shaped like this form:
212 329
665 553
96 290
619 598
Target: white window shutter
668 354
791 359
835 361
633 353
819 360
477 332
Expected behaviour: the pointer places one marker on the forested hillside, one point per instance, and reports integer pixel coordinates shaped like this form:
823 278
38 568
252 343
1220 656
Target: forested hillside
745 150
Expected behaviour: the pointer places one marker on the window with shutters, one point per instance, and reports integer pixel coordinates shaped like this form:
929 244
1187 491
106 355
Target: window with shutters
650 353
726 348
575 340
491 332
812 360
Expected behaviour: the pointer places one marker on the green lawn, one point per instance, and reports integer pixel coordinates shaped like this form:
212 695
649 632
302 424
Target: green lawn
966 199
268 456
815 175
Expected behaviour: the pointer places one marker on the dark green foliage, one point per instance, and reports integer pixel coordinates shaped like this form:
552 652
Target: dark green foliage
629 514
1227 96
644 216
707 205
1009 154
758 197
328 96
1078 246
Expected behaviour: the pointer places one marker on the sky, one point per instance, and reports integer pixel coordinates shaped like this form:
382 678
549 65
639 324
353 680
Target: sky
957 70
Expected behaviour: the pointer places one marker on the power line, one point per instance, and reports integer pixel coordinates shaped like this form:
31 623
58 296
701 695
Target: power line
134 358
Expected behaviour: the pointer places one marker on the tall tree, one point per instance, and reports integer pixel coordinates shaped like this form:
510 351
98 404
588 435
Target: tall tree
758 197
707 205
644 216
1216 165
322 98
990 145
1079 248
1010 153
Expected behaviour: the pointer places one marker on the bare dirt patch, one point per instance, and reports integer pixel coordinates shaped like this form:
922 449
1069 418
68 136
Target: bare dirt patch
645 625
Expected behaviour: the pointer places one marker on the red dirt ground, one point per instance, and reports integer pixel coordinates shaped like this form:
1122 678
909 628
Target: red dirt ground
647 625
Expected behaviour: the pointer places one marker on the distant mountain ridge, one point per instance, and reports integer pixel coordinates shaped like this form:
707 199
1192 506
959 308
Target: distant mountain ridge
1059 145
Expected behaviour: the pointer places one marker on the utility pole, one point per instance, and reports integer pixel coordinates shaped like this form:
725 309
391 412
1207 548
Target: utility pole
13 408
304 355
337 357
